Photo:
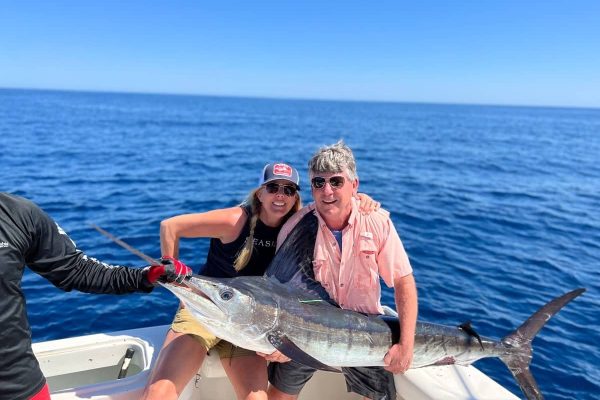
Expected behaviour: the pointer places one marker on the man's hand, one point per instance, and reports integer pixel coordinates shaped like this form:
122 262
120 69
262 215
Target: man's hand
275 356
398 358
169 270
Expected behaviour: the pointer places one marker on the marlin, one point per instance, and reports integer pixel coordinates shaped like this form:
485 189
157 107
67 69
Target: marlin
287 310
261 314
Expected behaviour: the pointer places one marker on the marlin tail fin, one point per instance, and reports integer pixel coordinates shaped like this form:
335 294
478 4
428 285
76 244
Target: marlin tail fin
518 362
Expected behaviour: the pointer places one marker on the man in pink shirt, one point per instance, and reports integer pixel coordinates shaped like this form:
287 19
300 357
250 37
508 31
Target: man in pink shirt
352 251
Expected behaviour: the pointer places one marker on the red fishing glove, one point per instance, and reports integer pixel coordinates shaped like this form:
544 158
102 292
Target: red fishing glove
170 270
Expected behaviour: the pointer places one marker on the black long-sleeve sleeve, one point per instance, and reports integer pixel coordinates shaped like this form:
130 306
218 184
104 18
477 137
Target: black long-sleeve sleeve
54 256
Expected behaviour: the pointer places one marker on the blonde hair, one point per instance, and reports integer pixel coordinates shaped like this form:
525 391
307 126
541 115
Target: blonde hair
252 200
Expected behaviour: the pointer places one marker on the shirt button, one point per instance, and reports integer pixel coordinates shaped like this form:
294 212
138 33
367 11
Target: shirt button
341 285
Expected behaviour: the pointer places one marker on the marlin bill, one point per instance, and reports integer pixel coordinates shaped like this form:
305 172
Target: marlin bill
261 314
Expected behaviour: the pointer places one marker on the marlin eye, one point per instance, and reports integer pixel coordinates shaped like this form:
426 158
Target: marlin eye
226 295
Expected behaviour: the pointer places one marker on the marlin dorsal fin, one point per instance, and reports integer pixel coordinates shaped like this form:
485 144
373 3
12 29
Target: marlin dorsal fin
292 265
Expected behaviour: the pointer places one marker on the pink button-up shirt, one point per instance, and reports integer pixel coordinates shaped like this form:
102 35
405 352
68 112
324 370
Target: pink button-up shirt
371 248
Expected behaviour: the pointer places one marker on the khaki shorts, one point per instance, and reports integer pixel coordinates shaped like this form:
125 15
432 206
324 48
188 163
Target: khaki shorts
185 323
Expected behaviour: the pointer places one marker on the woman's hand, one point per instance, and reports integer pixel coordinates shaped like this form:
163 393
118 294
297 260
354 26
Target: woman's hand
367 204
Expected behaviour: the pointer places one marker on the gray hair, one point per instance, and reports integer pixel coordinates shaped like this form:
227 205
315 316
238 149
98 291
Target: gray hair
334 158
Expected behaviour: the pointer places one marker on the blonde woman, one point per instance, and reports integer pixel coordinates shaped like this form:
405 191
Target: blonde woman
243 243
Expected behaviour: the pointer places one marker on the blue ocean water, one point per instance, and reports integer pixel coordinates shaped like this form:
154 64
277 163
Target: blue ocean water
498 207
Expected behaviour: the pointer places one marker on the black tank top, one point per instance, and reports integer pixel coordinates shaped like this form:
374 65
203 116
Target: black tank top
221 256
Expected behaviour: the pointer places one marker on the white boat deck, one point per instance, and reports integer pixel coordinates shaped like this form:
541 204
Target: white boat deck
86 367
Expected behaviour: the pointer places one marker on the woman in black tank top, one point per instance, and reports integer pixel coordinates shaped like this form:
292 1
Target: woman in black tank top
243 240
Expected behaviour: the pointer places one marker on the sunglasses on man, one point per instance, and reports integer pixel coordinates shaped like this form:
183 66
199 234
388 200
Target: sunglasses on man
288 190
336 182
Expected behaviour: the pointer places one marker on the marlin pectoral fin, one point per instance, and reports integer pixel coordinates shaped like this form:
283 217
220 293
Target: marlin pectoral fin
289 349
468 329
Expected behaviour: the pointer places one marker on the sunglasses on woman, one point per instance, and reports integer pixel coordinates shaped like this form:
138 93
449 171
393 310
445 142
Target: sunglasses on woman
288 190
336 182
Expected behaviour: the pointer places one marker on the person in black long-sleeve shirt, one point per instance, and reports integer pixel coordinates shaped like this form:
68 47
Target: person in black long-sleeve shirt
28 236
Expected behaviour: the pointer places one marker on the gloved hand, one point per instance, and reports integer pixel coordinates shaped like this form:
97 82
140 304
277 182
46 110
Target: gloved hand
170 270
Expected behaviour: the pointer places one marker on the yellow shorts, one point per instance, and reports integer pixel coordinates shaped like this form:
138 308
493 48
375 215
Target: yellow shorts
184 322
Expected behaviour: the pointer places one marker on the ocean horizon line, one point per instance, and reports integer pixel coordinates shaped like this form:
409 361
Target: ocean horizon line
298 99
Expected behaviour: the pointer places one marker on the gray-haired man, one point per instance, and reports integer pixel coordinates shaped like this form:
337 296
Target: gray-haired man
352 251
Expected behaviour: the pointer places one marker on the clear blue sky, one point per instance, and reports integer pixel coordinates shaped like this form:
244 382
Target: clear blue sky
490 52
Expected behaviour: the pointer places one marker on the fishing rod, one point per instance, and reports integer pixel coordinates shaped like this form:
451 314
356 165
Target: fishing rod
121 243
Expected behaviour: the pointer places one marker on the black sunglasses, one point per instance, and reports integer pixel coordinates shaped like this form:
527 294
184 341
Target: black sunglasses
336 182
288 190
